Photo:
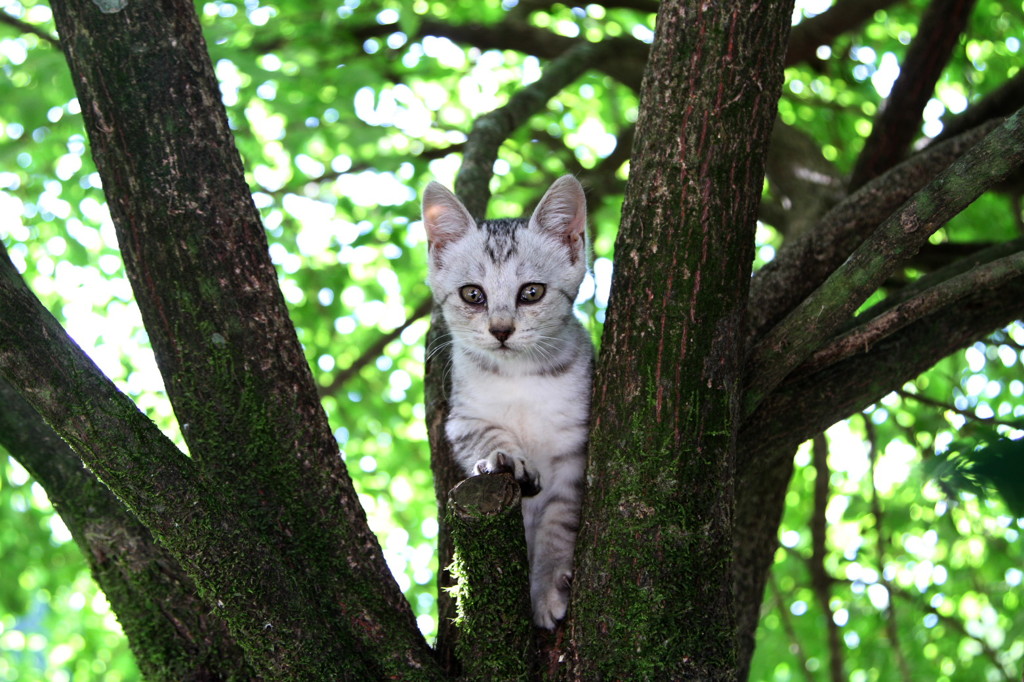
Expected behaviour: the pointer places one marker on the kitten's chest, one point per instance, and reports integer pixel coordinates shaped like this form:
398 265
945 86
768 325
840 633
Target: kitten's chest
536 408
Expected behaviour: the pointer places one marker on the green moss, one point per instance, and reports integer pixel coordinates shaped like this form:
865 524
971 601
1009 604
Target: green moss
492 592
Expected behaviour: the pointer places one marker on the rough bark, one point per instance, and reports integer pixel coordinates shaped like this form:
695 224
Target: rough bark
197 258
899 237
262 516
770 436
654 560
241 570
803 263
174 635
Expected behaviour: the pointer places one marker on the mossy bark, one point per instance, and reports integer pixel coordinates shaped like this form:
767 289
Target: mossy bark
274 537
174 634
485 517
653 597
822 314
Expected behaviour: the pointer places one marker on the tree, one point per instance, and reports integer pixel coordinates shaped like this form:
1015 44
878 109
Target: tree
252 555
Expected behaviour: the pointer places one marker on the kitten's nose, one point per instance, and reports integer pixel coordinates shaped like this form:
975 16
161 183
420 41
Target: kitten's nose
501 332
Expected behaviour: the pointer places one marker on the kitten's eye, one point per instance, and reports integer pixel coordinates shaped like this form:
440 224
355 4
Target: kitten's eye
472 294
531 293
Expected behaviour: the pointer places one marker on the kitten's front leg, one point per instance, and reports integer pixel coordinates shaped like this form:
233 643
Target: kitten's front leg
484 448
552 522
500 462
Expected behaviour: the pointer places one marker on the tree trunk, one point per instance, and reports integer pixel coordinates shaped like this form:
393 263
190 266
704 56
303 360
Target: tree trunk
275 537
654 561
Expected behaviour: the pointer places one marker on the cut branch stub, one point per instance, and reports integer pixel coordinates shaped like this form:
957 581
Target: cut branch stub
486 522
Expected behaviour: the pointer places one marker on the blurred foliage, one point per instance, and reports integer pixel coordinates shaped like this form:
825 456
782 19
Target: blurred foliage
979 468
340 124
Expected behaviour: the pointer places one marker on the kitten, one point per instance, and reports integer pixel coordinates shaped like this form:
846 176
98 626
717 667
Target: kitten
521 364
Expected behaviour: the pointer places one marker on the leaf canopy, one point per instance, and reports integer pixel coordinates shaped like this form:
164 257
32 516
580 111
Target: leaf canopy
342 114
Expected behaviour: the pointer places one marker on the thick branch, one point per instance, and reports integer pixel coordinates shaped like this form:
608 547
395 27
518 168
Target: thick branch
196 255
660 472
898 122
805 262
437 388
900 236
66 388
823 398
155 601
154 479
943 295
770 436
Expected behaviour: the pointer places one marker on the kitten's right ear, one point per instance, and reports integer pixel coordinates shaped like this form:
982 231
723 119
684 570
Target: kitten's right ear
562 213
444 216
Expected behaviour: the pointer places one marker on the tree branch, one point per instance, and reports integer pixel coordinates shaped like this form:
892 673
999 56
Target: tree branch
196 255
957 626
492 129
668 359
26 27
376 349
787 625
768 436
486 521
160 486
155 600
941 296
803 263
876 511
821 581
1002 101
968 415
768 439
627 68
526 7
820 315
898 122
803 183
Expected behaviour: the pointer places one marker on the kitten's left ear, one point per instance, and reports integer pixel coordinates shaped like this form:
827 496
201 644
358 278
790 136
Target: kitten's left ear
444 216
562 212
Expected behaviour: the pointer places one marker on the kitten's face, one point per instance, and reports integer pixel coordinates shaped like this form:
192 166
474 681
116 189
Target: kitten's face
507 287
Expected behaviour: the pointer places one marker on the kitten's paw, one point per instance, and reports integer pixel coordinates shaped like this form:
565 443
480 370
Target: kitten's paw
550 605
499 462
